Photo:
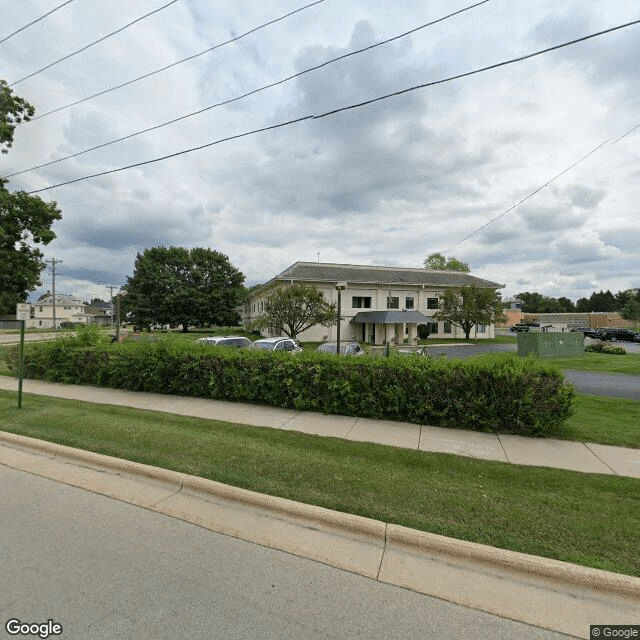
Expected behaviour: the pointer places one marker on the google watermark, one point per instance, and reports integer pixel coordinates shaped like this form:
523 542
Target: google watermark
626 631
15 627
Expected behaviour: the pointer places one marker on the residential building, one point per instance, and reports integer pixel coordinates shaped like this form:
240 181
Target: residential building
39 315
378 304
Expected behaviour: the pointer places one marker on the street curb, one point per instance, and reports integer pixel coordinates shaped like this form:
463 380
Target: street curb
539 591
616 584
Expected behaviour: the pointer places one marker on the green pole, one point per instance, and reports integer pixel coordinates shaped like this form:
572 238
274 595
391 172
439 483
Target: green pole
20 364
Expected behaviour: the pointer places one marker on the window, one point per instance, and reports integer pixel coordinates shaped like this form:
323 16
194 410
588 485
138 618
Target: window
432 327
408 303
393 302
432 303
446 327
482 328
358 302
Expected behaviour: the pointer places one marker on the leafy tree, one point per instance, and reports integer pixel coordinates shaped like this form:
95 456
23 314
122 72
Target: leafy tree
566 305
465 307
438 262
631 311
25 221
292 309
13 111
178 286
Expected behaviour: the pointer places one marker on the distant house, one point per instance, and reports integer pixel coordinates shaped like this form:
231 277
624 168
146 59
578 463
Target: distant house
39 315
378 304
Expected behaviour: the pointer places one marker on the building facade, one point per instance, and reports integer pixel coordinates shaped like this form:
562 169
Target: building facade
379 305
40 314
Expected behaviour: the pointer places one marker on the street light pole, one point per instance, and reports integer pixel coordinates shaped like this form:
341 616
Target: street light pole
340 286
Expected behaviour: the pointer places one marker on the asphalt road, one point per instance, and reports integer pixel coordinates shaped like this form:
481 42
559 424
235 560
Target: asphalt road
105 569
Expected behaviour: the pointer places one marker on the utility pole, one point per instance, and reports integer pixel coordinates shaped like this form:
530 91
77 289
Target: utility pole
53 286
111 287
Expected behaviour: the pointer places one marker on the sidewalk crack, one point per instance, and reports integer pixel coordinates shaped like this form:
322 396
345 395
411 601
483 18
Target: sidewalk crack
503 449
384 550
586 444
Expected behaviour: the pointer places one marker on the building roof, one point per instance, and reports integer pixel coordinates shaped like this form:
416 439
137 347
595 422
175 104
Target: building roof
61 298
409 316
367 274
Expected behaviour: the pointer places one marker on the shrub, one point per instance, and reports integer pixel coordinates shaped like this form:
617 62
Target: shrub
513 395
604 347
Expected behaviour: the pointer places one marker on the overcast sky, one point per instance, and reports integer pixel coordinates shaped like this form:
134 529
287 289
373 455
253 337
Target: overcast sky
383 184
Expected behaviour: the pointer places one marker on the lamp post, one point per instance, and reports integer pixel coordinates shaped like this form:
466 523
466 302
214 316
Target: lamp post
340 286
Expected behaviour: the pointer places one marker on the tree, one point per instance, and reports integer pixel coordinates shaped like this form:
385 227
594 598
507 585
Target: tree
465 307
25 221
178 286
438 262
13 111
292 309
631 311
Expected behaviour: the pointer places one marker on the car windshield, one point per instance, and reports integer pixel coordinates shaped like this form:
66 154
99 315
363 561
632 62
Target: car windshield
263 345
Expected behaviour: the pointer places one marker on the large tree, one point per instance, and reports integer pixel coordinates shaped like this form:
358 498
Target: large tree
292 309
465 307
178 286
25 221
438 262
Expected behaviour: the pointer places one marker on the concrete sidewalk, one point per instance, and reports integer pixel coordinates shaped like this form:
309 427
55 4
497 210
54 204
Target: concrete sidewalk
544 452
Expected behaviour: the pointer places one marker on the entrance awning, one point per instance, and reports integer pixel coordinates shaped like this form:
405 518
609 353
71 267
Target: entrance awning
392 316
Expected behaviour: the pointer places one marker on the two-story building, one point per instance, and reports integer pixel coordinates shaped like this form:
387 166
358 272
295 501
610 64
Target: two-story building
40 314
378 304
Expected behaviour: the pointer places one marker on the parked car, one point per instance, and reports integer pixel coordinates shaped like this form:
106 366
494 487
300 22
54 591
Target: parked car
592 333
238 342
346 348
521 326
619 334
277 344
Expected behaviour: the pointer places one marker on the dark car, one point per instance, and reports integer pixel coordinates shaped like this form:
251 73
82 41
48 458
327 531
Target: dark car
346 348
521 326
619 334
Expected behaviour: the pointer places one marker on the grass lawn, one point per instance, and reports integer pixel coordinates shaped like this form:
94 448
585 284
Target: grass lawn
612 421
581 518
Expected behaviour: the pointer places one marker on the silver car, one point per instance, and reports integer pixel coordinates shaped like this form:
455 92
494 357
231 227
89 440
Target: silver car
238 342
346 348
277 344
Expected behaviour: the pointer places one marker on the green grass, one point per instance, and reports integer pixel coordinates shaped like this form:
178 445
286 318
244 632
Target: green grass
580 518
603 362
602 420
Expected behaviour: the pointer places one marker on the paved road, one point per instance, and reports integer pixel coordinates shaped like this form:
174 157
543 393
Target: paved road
106 569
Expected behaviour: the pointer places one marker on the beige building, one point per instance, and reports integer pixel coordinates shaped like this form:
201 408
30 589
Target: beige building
378 304
40 314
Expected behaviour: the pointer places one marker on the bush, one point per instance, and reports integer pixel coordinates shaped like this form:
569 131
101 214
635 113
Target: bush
513 395
604 347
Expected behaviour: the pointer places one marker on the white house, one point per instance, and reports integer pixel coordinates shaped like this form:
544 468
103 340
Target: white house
39 315
378 304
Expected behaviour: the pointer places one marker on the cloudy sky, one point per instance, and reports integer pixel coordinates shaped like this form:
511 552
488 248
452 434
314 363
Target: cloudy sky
386 183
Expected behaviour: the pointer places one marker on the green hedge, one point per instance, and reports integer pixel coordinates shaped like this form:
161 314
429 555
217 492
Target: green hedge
504 394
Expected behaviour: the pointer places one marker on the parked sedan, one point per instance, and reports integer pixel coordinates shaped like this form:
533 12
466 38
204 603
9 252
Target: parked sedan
277 344
237 342
619 334
346 348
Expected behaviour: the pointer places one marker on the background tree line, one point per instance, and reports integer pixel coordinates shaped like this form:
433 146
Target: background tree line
627 303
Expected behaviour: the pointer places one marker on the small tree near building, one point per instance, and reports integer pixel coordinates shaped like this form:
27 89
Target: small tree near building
438 262
292 309
466 307
631 311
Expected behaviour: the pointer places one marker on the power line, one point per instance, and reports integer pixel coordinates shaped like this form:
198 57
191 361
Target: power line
341 109
113 33
249 93
533 193
177 62
42 17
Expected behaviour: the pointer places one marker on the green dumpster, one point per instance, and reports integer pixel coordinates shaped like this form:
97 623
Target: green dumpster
549 345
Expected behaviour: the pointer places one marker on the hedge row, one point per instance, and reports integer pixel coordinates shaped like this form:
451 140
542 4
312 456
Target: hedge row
521 396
